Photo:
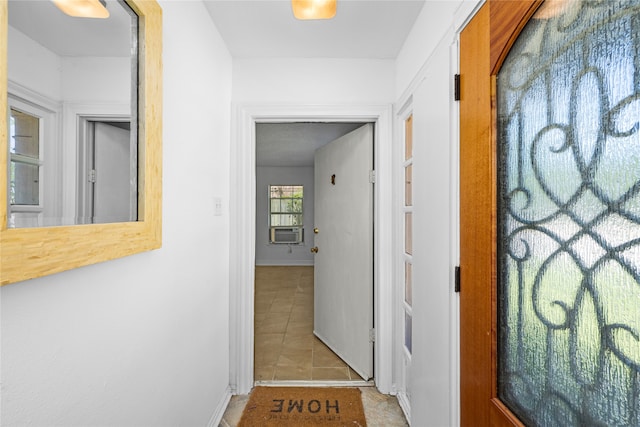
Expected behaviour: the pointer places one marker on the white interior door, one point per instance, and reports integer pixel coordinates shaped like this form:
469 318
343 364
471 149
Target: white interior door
112 187
343 299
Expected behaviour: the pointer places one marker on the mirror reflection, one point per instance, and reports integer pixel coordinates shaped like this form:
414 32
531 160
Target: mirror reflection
72 94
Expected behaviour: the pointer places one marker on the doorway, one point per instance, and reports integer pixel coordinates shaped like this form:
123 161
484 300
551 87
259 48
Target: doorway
243 226
301 309
107 170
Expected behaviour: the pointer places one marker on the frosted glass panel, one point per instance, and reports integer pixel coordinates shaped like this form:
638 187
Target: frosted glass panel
569 212
408 339
408 138
408 233
24 134
408 191
24 187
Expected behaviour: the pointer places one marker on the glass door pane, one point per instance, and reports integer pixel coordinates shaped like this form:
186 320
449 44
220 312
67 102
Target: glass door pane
569 216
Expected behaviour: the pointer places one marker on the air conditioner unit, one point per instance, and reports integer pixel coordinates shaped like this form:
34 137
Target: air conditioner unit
286 235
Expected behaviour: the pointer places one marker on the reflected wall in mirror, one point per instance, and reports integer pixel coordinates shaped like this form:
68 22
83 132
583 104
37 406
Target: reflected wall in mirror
65 75
76 98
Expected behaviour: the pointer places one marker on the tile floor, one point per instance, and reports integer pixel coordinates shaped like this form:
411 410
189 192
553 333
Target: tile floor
285 347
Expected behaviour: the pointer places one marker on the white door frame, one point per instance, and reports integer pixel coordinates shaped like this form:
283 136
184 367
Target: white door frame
242 236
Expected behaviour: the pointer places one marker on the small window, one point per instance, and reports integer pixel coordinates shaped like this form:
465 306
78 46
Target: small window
25 160
285 214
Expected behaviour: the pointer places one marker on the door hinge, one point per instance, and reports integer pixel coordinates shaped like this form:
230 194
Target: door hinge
456 285
456 87
92 175
372 177
372 335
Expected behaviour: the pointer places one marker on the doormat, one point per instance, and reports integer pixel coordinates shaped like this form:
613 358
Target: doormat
303 406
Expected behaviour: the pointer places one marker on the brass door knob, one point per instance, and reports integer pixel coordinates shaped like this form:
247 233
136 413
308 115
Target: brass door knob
314 249
316 231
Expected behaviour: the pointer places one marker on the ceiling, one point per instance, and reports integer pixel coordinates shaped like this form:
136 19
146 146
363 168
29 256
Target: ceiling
294 144
360 29
42 21
250 29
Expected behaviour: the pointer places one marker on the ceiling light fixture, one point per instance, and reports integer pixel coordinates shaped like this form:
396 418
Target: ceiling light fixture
83 8
314 9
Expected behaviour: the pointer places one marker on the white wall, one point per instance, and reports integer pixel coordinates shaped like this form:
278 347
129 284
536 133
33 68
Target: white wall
431 24
141 340
424 76
64 79
33 66
312 81
432 359
95 79
269 254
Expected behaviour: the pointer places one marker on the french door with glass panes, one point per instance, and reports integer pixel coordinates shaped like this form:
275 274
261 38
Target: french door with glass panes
550 213
407 255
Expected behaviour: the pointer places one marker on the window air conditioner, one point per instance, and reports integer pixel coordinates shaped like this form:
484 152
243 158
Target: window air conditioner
287 235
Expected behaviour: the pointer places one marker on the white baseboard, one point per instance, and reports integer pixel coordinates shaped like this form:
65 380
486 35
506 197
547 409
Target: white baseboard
315 383
216 418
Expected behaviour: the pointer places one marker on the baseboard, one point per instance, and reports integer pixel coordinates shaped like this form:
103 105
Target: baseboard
315 383
216 418
405 405
284 263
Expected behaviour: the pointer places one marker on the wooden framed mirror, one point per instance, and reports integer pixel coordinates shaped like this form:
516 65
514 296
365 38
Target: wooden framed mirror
27 253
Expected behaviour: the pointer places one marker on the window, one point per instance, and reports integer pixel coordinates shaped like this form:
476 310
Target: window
33 195
285 213
25 160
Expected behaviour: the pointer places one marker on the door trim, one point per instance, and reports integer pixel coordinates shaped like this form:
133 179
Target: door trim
242 224
72 112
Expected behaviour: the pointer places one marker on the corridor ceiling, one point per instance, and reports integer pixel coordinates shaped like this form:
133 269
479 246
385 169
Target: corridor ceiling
373 29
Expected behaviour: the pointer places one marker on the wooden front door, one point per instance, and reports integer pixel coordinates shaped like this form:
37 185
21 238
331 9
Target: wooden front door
579 295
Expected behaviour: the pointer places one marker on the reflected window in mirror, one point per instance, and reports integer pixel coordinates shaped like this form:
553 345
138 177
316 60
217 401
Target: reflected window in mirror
30 127
73 71
25 165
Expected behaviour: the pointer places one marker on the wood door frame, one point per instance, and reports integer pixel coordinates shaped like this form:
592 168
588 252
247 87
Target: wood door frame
484 44
242 224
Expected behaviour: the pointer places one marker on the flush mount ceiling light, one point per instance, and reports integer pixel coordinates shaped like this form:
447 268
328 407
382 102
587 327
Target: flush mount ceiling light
314 9
83 8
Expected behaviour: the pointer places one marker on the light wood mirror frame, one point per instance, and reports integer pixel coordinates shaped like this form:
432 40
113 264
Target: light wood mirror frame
27 253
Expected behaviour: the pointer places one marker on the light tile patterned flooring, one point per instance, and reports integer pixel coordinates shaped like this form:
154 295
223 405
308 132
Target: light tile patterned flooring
285 347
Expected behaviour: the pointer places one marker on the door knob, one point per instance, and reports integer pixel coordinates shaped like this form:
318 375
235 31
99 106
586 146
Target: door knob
316 231
314 249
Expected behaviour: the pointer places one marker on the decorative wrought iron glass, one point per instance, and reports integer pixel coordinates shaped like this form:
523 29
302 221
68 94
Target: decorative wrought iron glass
569 216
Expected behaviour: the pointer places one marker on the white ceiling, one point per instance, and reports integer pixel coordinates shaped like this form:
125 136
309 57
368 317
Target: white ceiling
360 29
64 35
294 144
